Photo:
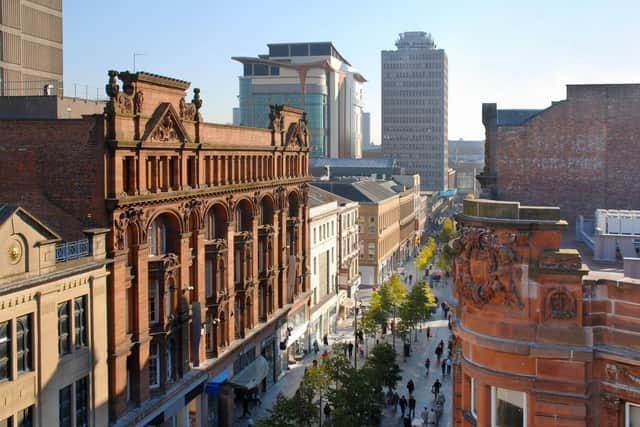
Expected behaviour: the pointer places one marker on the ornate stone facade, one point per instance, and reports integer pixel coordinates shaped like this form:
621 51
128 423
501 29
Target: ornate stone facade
529 325
208 235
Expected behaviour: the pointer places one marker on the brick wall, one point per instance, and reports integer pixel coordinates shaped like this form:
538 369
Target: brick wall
580 154
53 168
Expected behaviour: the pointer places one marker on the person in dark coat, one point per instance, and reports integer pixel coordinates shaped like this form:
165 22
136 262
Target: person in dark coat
427 365
443 365
403 405
410 386
428 333
327 411
412 406
350 348
435 389
325 339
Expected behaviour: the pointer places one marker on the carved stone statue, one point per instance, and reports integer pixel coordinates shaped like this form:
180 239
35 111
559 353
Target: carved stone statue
112 87
138 100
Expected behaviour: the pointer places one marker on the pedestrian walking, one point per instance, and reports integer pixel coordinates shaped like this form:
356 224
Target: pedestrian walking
344 347
327 411
412 406
325 356
325 339
438 353
361 351
427 365
428 333
443 365
435 389
350 348
410 386
403 405
316 347
449 366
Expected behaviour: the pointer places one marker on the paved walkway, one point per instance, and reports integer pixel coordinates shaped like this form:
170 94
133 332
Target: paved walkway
412 368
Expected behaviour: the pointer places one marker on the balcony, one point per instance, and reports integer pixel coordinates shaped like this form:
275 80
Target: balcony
68 251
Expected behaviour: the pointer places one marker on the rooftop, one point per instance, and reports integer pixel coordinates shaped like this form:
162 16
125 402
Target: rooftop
514 117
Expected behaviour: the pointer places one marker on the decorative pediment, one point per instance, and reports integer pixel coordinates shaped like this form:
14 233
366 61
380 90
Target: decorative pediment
297 134
165 126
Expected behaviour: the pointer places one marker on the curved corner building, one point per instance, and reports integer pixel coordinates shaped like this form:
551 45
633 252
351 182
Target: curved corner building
540 339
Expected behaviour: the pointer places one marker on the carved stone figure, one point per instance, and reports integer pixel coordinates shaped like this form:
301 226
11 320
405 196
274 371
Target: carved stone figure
112 87
197 103
166 131
125 103
484 268
561 304
276 123
138 100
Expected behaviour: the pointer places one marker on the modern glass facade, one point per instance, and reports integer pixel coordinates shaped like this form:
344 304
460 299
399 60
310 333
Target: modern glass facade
254 111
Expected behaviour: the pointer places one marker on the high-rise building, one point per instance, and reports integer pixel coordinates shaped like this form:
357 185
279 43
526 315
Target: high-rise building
414 108
366 130
236 116
30 47
313 76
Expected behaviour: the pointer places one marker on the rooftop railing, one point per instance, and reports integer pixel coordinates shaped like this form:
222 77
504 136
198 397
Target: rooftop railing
68 251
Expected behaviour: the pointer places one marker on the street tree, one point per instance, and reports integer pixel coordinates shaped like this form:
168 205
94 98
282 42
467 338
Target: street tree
446 231
392 293
426 254
444 259
382 367
296 411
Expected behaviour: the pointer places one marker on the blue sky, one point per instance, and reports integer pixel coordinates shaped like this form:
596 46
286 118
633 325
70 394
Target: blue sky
516 53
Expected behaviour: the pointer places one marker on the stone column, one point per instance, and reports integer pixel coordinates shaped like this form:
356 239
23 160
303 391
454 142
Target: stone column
229 315
182 304
254 269
141 327
199 292
276 258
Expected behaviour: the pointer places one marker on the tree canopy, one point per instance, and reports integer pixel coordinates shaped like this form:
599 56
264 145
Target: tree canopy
426 254
446 231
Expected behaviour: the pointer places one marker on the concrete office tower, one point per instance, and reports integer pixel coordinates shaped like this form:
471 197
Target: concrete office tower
313 76
366 130
414 108
30 47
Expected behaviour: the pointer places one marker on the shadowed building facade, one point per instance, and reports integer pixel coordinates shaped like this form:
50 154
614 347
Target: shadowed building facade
540 340
207 231
53 325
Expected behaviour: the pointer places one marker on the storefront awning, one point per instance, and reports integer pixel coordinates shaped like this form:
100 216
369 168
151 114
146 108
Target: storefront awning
252 375
213 385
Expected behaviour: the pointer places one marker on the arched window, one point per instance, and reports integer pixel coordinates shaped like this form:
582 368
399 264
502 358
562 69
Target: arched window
162 239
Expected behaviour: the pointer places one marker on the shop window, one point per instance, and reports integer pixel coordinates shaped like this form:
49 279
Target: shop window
508 408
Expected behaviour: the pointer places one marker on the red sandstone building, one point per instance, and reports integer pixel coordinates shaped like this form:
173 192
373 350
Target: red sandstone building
208 239
580 154
541 341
